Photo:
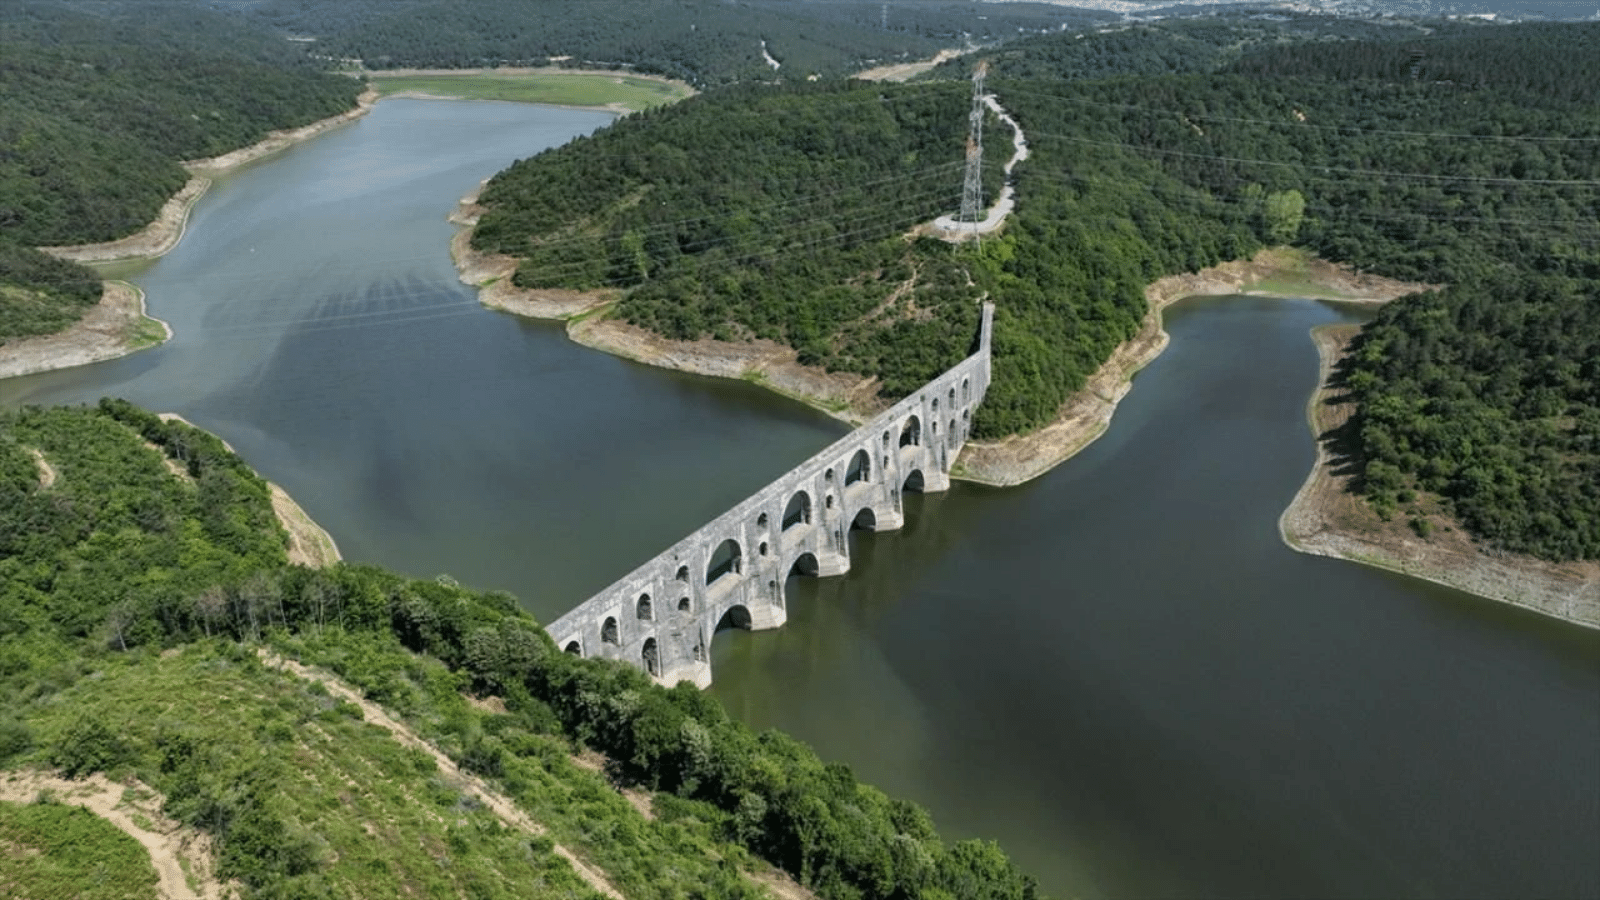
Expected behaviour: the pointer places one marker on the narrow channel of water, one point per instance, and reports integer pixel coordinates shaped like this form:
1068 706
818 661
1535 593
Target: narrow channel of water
1119 671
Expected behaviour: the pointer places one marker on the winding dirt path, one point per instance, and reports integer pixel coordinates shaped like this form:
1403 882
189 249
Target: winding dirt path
169 844
501 805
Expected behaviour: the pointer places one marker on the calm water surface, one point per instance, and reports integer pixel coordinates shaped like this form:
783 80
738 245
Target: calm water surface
1118 671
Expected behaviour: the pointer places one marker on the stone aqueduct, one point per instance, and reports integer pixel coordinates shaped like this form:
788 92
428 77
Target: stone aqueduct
661 616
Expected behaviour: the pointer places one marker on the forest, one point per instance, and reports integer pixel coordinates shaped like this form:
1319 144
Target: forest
703 42
98 105
1176 46
1487 394
1464 154
141 564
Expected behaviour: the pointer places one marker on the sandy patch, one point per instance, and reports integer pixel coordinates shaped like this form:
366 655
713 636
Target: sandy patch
502 806
111 328
131 807
906 71
153 240
47 472
1326 518
1086 415
309 544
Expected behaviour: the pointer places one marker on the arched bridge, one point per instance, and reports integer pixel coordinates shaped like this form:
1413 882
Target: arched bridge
661 616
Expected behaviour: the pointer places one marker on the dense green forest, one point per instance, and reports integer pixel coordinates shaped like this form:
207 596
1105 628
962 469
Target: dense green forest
762 212
703 42
1451 157
141 567
1488 395
1177 46
100 102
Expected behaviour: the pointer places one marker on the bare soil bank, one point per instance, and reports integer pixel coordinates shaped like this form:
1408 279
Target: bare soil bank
111 329
1086 414
310 545
116 326
851 398
1327 519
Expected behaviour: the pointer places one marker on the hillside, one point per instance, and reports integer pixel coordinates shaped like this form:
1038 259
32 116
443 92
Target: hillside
703 42
1467 154
98 105
146 613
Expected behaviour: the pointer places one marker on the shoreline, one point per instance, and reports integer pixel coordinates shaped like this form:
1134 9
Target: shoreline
112 328
849 398
310 544
115 327
1326 518
853 399
1087 414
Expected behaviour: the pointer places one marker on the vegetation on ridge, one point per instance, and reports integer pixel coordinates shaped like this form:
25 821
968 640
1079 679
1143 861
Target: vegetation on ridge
98 104
109 559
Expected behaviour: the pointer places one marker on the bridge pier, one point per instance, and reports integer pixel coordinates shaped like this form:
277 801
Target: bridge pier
662 616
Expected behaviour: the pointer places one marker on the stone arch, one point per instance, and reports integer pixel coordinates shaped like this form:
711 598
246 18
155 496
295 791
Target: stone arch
683 574
804 565
761 520
736 616
643 608
651 658
727 559
886 440
860 468
608 631
763 549
950 436
684 604
952 398
914 482
966 390
936 404
798 512
828 501
866 519
575 648
911 432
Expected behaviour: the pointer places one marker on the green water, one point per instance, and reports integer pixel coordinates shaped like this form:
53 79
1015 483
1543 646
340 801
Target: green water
1118 670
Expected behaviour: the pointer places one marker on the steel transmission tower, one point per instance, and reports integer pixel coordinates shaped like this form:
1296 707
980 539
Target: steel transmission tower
972 187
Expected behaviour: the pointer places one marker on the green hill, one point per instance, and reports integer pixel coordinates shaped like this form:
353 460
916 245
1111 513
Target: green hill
144 595
1478 165
98 105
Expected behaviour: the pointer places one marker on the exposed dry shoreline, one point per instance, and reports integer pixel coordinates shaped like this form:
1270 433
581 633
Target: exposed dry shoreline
1327 519
1086 414
851 398
111 329
310 545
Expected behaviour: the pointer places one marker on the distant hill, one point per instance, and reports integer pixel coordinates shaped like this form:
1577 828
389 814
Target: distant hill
703 42
100 102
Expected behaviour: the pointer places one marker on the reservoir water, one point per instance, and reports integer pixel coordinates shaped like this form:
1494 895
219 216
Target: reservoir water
1117 671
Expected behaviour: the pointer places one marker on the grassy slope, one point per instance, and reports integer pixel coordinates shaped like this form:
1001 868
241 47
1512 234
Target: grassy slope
55 850
563 89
